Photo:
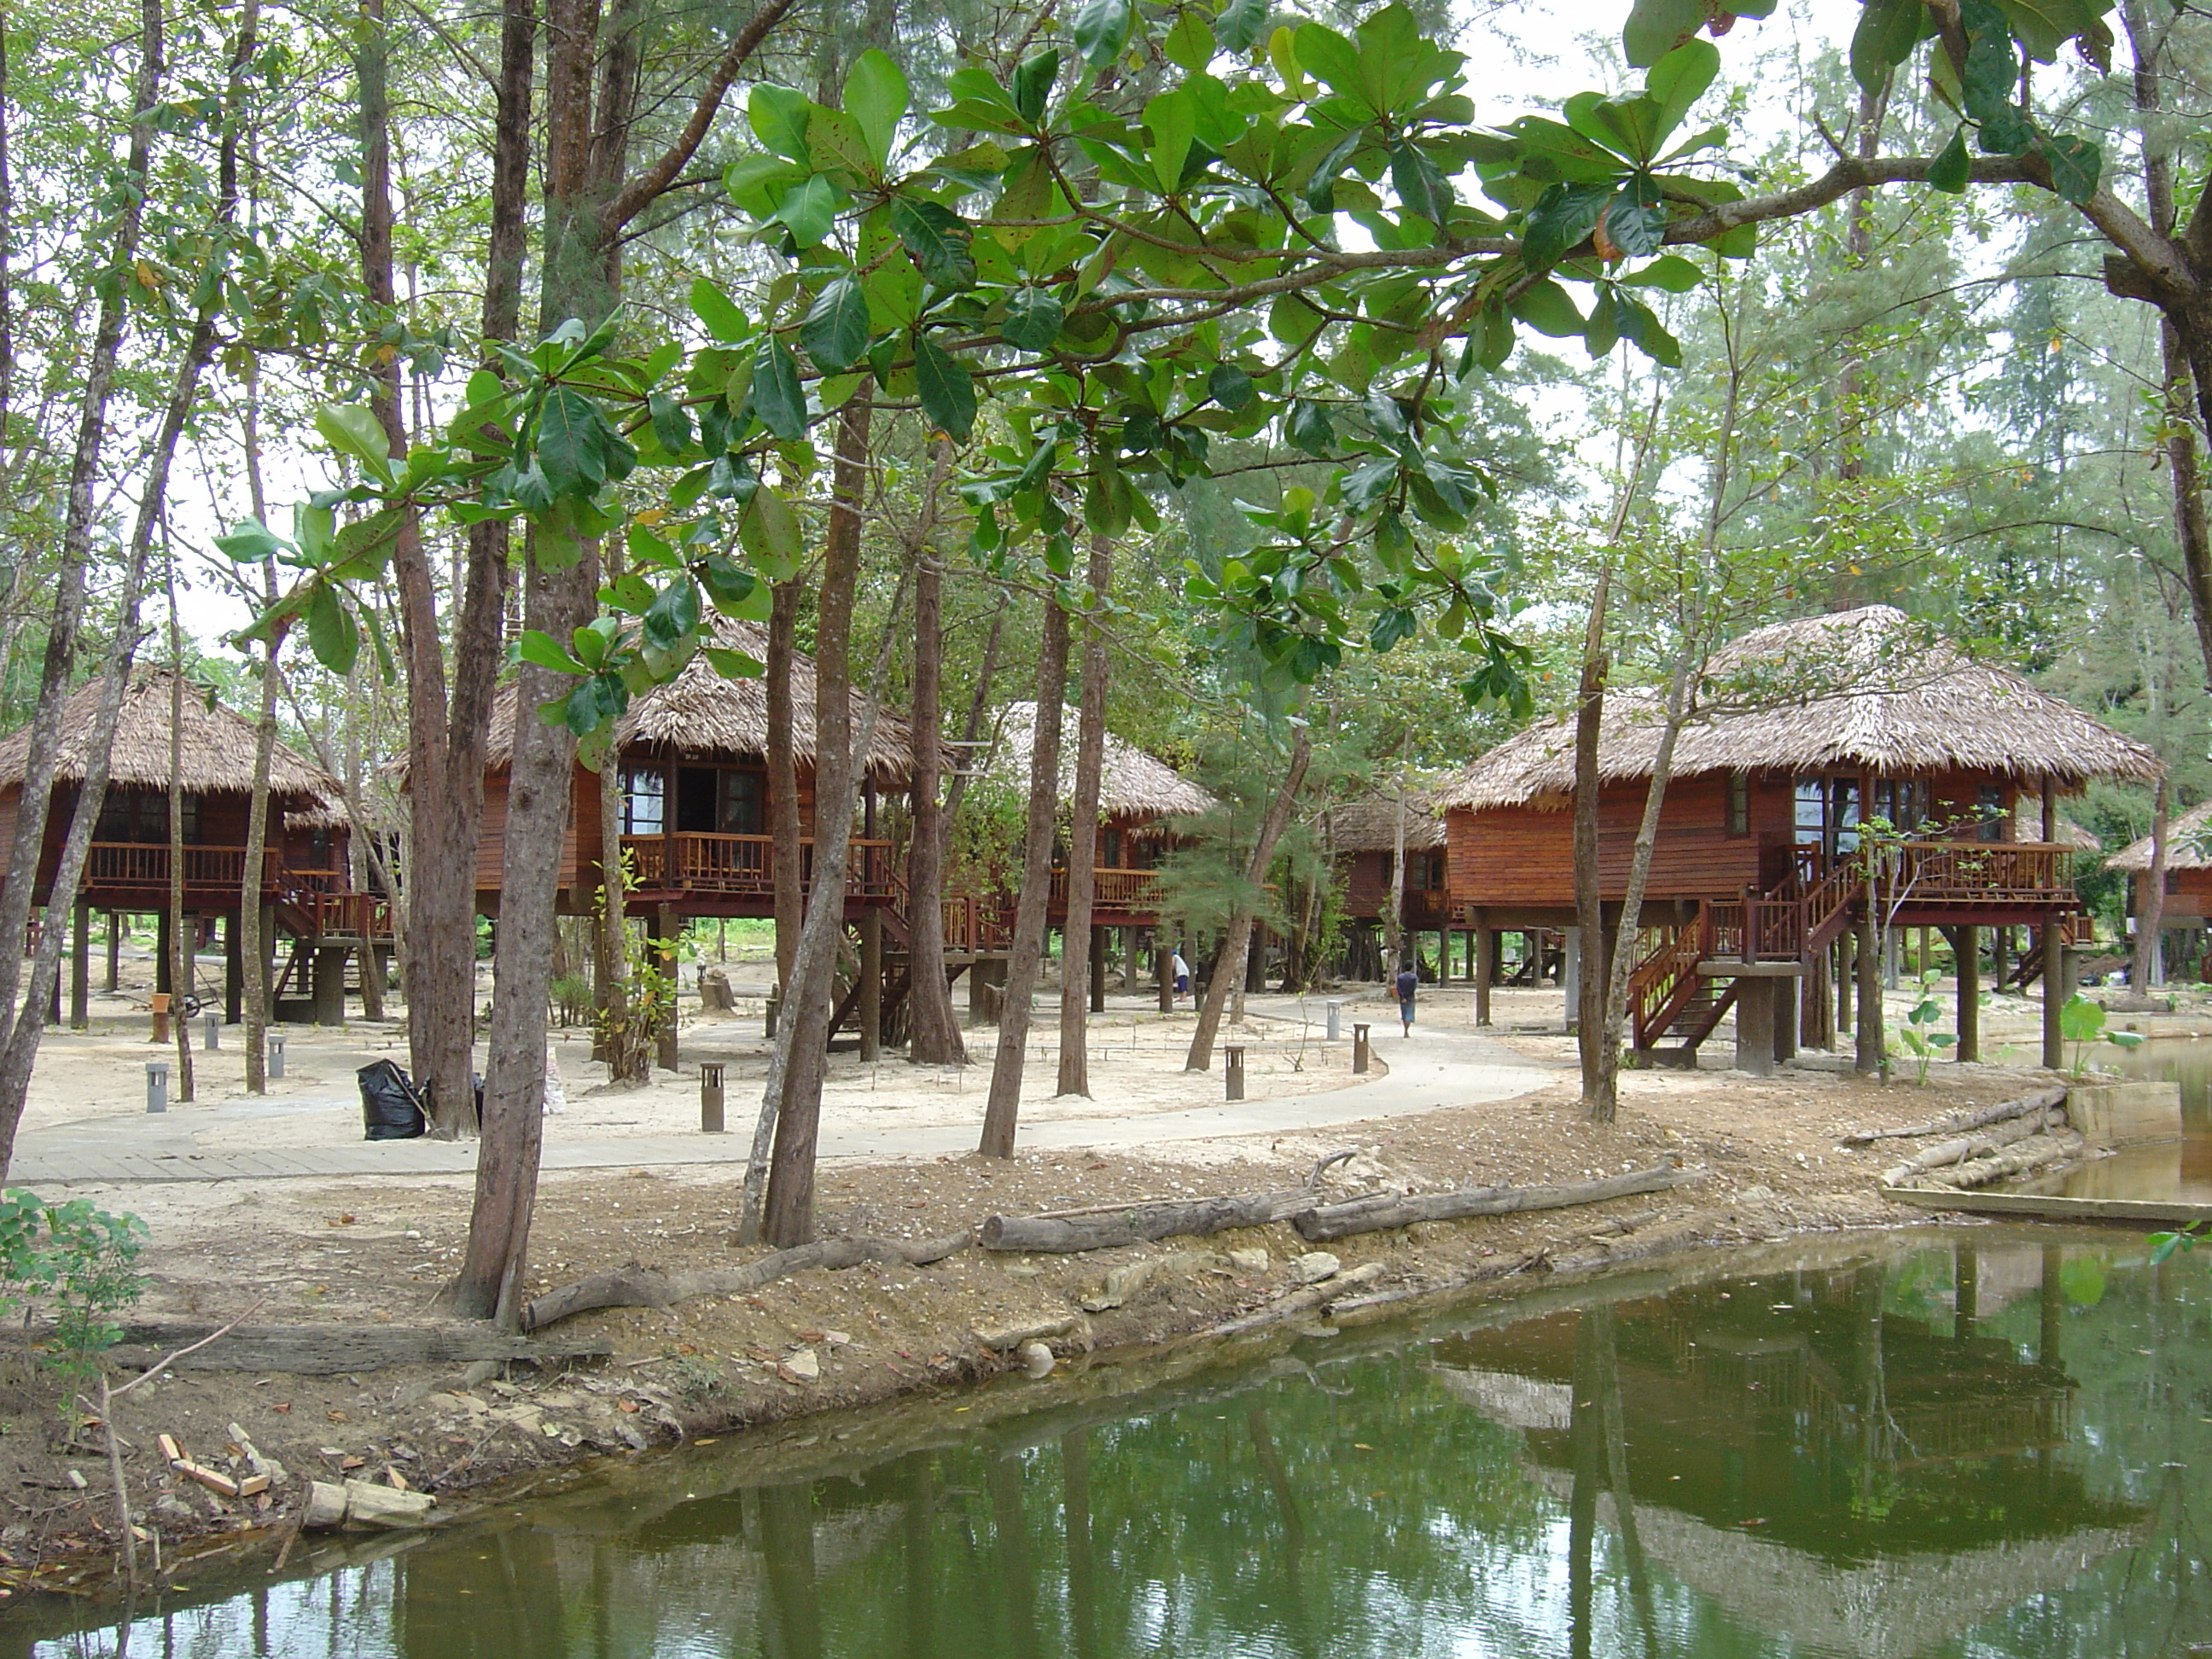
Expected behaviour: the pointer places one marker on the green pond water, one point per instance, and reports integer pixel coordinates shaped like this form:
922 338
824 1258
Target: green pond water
1988 1444
2180 1168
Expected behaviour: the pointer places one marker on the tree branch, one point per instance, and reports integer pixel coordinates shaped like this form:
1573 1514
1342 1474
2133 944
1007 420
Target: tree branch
642 191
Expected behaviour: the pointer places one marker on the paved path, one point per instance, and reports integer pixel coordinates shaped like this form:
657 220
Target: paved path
1434 1069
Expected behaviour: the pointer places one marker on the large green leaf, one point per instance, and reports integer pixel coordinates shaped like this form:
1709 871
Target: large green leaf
769 530
1311 428
332 634
1033 82
724 319
836 328
1239 25
946 388
1635 220
1656 27
1420 183
673 613
778 115
672 423
1545 307
1887 33
573 445
1033 318
778 398
1319 191
1677 82
353 429
1563 217
876 97
2075 163
940 240
1952 166
1102 30
809 210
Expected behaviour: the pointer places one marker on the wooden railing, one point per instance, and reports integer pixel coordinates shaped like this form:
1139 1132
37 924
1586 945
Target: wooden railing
347 915
1115 889
1667 978
695 861
1973 872
146 864
974 923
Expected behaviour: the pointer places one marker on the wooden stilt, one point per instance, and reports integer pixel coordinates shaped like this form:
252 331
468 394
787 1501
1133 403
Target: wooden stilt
1970 994
871 986
2057 986
1484 972
1098 981
114 951
81 967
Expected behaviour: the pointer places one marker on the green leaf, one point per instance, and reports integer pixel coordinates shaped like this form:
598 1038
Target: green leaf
673 613
1033 318
836 328
1635 219
1231 387
571 442
1546 308
1102 30
779 115
1563 217
1189 43
1033 83
1678 81
353 429
2080 1020
1656 27
1887 33
778 398
1239 24
2075 165
1420 183
940 240
725 321
1671 273
735 590
946 388
1950 169
672 423
1311 428
251 541
769 530
809 210
1640 327
332 634
545 651
1603 332
876 97
1319 191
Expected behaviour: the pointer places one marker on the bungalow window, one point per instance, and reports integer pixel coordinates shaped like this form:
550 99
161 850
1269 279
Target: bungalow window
1739 803
1903 802
1990 803
1828 814
142 815
711 801
645 800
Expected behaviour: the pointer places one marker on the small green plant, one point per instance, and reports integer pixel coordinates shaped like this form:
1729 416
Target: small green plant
78 1259
571 1000
1922 1043
2081 1023
2163 1245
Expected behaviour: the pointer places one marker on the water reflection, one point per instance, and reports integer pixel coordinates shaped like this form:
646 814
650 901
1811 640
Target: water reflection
1942 1449
2170 1169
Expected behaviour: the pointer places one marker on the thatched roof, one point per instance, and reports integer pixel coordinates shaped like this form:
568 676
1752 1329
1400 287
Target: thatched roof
2185 844
1370 824
217 745
324 813
1133 784
703 714
1864 688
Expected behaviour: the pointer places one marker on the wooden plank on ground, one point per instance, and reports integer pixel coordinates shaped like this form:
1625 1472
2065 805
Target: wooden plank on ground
332 1350
2050 1207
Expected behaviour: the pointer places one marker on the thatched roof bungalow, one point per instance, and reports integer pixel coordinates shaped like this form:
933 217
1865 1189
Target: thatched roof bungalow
692 766
1807 727
1363 836
1140 798
2188 904
128 868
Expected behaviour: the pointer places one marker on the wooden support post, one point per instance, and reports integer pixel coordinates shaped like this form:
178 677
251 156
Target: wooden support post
81 967
1485 971
2000 950
2057 986
269 959
114 951
1845 954
1754 1026
233 969
329 983
1570 978
1970 994
871 1008
1098 981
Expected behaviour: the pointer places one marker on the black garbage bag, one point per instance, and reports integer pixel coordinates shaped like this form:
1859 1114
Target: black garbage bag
390 1108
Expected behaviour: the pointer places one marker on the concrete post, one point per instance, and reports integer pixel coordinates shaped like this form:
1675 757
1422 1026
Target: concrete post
1333 1014
710 1098
157 1085
1754 1026
871 1007
274 1047
2058 985
328 979
1570 977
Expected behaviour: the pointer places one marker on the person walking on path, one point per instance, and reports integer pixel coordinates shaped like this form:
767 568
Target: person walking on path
1181 977
1408 981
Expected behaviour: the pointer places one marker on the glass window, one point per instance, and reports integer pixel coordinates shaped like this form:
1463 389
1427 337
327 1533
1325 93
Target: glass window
1739 803
745 804
1991 804
645 800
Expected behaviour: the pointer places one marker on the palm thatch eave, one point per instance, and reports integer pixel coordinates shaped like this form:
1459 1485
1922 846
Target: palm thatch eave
1132 784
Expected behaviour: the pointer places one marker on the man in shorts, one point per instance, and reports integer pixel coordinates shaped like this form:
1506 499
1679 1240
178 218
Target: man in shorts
1408 981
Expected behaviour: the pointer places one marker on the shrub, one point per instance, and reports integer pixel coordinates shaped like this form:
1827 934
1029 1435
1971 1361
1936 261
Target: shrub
80 1262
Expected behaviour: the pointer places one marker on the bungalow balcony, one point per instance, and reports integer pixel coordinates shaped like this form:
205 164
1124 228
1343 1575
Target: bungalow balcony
1116 890
744 866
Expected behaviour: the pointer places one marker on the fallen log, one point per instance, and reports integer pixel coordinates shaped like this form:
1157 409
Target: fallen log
645 1287
1960 1122
1972 1147
1301 1302
333 1350
1370 1215
359 1503
1140 1223
2035 1153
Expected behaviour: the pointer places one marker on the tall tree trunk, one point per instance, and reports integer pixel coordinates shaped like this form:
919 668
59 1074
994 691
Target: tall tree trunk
449 722
1003 1107
184 954
253 948
1589 906
936 1040
1083 835
80 519
1393 917
802 1042
1228 970
788 840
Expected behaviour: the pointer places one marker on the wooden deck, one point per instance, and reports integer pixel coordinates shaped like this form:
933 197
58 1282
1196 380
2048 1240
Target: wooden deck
2040 1207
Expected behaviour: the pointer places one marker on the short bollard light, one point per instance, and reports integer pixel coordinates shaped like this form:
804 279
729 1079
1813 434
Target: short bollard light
157 1085
710 1098
1335 1027
1360 1048
1233 1073
774 1007
211 1030
276 1052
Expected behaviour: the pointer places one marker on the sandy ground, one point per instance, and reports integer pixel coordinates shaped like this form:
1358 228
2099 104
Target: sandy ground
376 1250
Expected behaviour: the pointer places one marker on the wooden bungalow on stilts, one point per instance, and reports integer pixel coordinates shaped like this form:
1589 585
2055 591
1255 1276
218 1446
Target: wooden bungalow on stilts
306 892
1364 837
1140 798
690 770
1842 776
2187 909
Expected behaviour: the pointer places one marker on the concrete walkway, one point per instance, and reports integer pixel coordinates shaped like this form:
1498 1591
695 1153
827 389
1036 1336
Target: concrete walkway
1433 1069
